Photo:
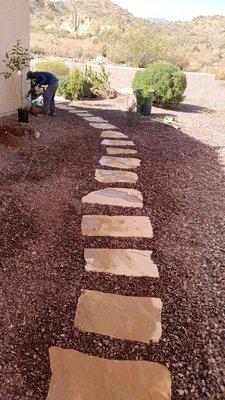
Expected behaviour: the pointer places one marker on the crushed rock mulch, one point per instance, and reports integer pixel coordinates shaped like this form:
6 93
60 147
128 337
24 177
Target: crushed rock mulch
41 252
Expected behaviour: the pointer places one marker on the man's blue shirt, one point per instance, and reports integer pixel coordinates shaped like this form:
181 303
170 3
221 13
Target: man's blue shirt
45 78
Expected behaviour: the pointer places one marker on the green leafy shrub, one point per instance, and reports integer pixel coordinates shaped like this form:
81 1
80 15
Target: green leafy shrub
56 67
167 82
79 85
72 86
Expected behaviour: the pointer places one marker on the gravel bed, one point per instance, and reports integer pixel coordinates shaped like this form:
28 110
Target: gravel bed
42 185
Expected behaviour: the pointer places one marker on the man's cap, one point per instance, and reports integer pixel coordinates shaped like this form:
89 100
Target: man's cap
30 75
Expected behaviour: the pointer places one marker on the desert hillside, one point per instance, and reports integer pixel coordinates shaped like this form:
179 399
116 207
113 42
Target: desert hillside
87 28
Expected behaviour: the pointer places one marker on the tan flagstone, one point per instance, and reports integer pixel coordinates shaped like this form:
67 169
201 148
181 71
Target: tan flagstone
102 126
128 262
113 134
116 226
119 162
109 176
82 115
81 111
121 197
121 317
120 150
78 376
94 119
109 142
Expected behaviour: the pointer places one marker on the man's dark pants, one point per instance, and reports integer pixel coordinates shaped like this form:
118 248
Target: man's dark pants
49 98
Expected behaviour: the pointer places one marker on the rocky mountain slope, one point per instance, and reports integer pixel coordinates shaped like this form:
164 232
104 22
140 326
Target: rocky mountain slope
101 27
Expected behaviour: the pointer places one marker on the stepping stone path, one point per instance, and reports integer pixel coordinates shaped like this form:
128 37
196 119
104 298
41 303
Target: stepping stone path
108 176
115 197
119 162
117 150
126 262
116 226
80 376
123 317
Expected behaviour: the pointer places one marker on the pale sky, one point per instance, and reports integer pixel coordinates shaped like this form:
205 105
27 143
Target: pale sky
173 9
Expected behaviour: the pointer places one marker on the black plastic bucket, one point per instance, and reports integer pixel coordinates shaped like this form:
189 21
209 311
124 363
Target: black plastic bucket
23 115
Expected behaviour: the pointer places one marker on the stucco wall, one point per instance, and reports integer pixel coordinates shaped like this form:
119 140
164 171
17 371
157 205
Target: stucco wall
14 24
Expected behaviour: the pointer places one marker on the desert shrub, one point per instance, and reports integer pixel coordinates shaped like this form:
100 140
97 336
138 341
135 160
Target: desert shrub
57 68
117 54
136 47
97 81
220 72
72 86
38 51
167 82
79 85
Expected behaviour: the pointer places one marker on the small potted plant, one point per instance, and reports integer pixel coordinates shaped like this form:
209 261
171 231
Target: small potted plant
144 101
16 61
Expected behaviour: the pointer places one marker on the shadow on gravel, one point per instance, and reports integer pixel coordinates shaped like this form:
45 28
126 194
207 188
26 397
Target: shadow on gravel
183 186
192 108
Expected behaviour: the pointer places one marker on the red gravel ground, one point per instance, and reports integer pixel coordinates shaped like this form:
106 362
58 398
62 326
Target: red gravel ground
183 184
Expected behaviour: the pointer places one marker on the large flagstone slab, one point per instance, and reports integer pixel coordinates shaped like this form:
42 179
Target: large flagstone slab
94 119
102 126
128 262
113 135
121 197
119 150
116 226
82 115
121 317
119 162
78 376
81 111
109 176
109 142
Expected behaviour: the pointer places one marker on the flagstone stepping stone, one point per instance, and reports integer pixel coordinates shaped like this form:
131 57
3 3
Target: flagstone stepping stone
94 119
121 317
79 376
116 226
128 262
117 150
82 115
102 126
81 111
112 134
108 142
109 176
121 197
119 162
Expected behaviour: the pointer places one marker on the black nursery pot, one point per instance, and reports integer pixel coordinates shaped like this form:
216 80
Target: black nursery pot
23 115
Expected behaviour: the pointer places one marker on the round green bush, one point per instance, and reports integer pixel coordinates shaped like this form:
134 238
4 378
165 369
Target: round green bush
56 67
167 82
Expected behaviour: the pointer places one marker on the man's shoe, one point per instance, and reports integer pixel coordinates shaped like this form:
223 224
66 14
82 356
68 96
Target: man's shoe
51 114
